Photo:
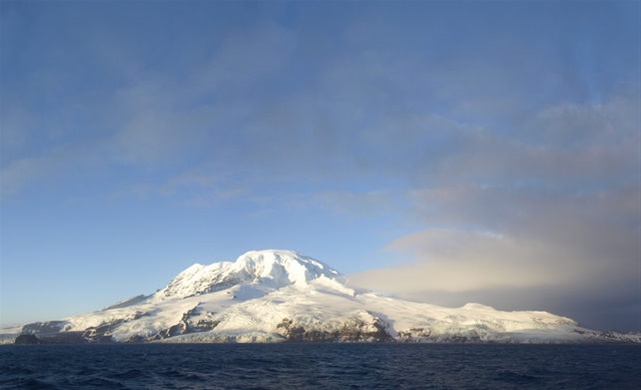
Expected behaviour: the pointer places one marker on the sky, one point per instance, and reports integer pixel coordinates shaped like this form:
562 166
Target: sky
446 152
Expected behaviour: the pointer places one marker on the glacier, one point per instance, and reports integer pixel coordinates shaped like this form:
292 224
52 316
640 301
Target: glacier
284 296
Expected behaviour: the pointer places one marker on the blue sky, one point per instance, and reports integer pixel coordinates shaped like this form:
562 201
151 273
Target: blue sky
441 151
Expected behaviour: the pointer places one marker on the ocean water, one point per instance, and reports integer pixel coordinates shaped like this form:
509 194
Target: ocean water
320 366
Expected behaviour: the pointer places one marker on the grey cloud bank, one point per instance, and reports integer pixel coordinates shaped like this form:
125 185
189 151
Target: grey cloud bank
561 216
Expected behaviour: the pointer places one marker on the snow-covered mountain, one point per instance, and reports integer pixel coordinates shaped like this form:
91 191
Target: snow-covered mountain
279 295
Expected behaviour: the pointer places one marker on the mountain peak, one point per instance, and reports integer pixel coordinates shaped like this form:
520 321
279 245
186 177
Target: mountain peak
269 268
283 267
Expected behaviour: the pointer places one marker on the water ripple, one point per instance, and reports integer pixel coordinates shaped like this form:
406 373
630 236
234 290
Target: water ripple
314 366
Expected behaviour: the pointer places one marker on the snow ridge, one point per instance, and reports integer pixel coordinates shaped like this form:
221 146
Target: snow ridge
269 268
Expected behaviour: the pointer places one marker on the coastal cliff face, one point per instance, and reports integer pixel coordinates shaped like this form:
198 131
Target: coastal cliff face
279 296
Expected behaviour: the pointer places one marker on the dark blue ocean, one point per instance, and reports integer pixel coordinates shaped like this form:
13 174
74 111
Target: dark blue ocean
320 366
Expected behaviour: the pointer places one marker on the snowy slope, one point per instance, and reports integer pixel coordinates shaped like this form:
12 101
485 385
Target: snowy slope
277 295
